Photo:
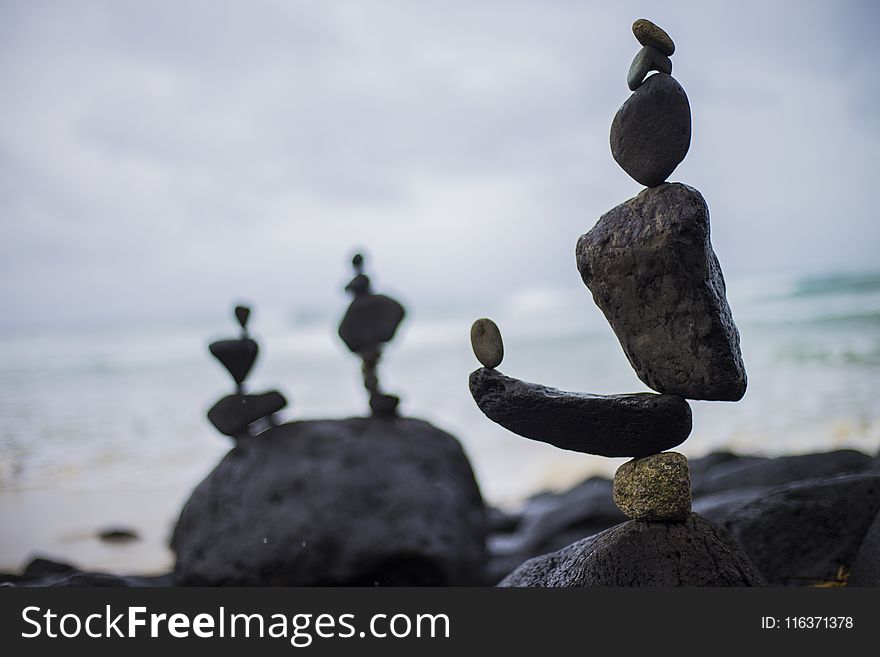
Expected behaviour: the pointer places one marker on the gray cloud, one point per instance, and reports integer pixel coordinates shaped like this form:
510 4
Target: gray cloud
157 159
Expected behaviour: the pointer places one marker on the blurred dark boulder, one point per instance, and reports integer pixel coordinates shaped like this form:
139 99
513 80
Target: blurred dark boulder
362 501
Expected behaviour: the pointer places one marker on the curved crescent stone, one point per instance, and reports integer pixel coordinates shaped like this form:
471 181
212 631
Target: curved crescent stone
637 424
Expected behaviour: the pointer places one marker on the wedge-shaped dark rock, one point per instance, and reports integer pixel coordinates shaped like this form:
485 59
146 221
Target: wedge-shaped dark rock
232 414
650 266
638 424
237 356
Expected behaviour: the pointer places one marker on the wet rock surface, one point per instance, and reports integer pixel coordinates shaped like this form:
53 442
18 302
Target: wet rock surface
651 269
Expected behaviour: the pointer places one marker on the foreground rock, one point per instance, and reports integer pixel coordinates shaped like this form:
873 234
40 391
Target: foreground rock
804 533
650 266
866 568
358 502
637 553
549 522
616 425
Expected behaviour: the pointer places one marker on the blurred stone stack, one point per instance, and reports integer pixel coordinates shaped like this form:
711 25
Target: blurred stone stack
242 414
651 269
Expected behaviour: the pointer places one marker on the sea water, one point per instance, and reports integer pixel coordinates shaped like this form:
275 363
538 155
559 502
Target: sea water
107 412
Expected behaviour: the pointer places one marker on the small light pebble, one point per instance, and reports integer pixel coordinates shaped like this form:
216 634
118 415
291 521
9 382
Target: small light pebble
648 59
486 342
654 488
650 34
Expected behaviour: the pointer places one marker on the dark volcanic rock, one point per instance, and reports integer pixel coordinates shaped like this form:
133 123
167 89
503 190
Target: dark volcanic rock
233 413
638 424
757 471
550 521
652 271
651 132
866 569
805 532
358 501
237 356
370 320
638 553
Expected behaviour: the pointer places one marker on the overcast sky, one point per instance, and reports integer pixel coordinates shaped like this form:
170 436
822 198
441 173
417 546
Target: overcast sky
160 158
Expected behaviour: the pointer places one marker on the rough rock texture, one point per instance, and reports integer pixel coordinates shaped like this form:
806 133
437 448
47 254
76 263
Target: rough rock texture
617 425
638 553
737 472
549 522
805 532
487 343
866 569
370 320
652 271
646 60
237 356
357 501
651 132
655 487
232 415
650 34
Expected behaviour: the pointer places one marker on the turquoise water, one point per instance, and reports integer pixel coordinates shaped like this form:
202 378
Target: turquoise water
123 408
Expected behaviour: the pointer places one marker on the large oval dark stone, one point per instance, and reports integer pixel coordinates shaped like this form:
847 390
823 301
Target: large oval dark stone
651 132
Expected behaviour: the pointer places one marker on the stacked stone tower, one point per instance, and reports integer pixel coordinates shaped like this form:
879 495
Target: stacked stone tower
651 269
242 414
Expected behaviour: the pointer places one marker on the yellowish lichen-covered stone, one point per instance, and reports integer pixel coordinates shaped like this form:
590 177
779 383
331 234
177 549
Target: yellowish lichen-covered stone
656 487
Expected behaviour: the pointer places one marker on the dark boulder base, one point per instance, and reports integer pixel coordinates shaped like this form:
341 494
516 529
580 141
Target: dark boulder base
649 554
651 132
650 266
866 569
362 501
637 424
804 533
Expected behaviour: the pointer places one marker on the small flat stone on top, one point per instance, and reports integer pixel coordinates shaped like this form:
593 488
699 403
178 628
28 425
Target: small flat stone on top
487 343
646 60
655 488
649 34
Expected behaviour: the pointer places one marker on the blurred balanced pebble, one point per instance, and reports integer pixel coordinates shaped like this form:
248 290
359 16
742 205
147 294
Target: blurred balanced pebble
243 314
487 343
655 488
